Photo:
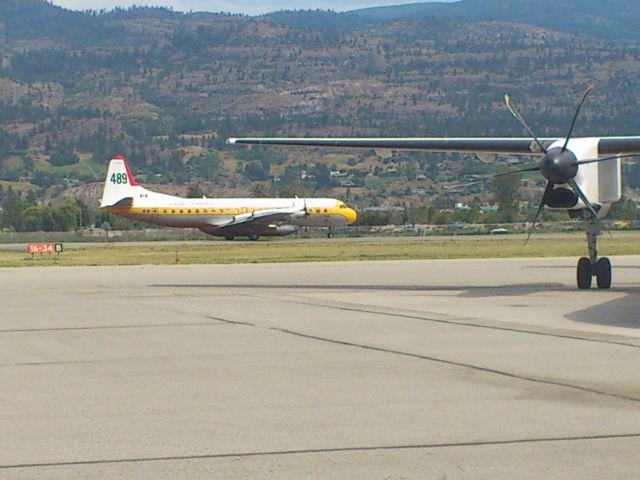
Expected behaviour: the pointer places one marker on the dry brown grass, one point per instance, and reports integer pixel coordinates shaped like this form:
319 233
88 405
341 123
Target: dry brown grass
279 251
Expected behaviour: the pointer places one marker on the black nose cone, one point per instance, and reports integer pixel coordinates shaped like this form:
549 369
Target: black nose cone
558 166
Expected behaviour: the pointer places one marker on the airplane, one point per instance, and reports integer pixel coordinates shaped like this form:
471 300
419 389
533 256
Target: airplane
583 175
226 217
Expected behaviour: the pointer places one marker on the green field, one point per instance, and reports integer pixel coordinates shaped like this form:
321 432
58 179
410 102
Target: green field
278 251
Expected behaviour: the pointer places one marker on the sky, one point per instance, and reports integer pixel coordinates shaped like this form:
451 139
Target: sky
250 7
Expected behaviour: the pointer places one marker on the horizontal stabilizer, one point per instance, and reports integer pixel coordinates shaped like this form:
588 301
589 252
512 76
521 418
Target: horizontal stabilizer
123 202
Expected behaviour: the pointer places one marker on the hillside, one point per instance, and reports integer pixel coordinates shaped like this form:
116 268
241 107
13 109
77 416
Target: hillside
166 89
614 19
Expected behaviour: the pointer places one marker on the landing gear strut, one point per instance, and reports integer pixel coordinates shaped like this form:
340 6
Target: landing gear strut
593 266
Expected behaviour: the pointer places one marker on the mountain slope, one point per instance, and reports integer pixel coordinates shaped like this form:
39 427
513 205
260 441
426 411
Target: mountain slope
166 89
613 19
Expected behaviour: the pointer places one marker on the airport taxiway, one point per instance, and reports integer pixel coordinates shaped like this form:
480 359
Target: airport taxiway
400 369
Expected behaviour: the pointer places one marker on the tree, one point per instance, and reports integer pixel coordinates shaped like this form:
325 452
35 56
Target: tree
12 207
85 214
33 219
258 190
506 192
322 174
206 166
194 191
255 171
63 157
624 209
373 218
468 215
68 216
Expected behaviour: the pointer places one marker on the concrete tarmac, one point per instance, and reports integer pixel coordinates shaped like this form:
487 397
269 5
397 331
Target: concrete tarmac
469 369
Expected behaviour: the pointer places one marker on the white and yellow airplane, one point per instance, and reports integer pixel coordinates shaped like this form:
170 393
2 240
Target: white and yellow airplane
225 217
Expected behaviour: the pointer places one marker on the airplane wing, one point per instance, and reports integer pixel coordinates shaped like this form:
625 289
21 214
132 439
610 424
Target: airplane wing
445 144
261 217
479 145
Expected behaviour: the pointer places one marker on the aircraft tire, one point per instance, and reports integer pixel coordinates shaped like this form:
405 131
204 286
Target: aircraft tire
585 271
330 235
254 237
603 273
229 237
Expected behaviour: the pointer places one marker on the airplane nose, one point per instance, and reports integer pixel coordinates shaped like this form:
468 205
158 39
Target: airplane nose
352 216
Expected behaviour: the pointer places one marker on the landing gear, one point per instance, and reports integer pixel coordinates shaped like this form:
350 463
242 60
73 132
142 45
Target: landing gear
254 237
330 233
585 272
603 273
229 237
593 266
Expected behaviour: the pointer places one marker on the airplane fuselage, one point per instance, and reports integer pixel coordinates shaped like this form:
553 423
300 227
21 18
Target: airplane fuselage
206 213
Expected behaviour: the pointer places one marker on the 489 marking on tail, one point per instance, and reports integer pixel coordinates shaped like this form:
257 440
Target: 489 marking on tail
119 178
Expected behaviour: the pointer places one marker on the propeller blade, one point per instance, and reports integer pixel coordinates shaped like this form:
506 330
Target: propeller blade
514 111
513 172
613 157
575 116
578 191
543 200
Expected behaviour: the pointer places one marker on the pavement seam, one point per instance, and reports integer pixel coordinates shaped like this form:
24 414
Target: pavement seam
426 446
461 364
106 327
463 322
444 361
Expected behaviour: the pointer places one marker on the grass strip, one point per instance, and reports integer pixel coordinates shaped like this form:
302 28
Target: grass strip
279 251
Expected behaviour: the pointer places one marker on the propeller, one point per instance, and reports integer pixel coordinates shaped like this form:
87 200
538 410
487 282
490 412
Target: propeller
549 186
548 189
304 205
578 191
558 165
514 111
575 115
